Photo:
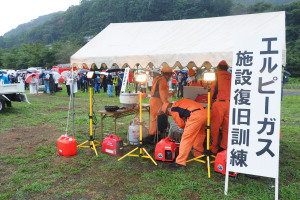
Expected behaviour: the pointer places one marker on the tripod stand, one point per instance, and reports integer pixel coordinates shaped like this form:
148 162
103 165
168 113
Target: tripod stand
142 151
91 140
207 154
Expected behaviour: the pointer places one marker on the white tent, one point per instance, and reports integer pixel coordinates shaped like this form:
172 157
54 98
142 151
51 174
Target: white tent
175 43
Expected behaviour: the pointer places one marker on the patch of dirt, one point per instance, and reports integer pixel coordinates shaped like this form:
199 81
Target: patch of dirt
99 184
58 109
23 140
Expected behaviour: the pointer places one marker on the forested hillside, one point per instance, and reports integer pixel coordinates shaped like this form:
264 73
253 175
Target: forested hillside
274 2
27 26
66 32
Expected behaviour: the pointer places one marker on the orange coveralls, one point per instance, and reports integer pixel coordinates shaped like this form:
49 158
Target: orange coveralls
194 129
220 94
159 95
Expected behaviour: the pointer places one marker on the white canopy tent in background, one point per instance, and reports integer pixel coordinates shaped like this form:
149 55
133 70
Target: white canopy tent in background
179 43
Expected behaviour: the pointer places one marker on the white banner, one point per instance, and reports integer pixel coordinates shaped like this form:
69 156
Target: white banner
125 79
254 125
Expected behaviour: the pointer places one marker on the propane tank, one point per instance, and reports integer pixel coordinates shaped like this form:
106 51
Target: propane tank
133 135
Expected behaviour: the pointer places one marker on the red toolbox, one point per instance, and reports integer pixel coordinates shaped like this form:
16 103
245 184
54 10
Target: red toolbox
166 150
66 145
112 145
202 98
220 163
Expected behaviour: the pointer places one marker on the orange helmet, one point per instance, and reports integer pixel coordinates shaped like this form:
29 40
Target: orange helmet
191 72
223 64
166 69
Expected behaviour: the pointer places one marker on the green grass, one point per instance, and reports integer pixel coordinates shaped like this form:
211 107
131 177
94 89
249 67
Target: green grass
39 172
293 83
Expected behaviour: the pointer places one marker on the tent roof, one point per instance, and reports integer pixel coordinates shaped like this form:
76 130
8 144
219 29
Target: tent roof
175 43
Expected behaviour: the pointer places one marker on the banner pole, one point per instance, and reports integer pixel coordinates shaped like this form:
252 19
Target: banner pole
276 188
226 182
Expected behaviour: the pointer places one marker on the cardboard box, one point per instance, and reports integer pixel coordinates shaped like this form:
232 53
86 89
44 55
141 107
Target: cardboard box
191 92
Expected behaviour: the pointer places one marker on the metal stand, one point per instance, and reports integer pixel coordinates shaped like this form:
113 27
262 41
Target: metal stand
72 96
91 140
207 154
140 148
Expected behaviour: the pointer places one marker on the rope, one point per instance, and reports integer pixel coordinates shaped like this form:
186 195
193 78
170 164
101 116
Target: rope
68 115
134 111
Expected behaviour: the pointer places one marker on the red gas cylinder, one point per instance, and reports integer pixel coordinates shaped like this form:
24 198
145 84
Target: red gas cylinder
220 163
166 150
112 145
66 145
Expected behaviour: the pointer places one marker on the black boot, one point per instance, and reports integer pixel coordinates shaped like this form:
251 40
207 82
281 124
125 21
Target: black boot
149 139
177 166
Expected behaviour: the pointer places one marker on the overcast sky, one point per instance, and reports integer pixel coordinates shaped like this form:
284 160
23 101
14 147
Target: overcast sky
16 12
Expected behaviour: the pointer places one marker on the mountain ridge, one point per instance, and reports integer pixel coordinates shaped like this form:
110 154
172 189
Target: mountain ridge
21 28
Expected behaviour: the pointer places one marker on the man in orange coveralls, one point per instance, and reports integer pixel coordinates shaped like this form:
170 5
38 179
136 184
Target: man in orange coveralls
193 135
159 95
220 91
193 76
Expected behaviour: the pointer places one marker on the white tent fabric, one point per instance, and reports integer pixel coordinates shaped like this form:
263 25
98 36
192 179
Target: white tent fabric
181 41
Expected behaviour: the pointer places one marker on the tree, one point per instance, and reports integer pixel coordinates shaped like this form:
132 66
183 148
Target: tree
260 7
1 57
63 51
10 58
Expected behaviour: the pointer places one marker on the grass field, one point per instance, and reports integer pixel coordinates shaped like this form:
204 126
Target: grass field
31 168
293 83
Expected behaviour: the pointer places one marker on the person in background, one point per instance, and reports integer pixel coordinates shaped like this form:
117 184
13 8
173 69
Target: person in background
19 78
109 82
34 82
56 81
190 116
119 84
3 79
159 95
86 83
26 85
13 79
193 77
115 82
8 77
180 81
79 81
68 83
220 92
52 86
104 83
97 84
82 82
45 78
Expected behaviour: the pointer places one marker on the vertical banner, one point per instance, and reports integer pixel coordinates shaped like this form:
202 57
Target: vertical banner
254 124
125 79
